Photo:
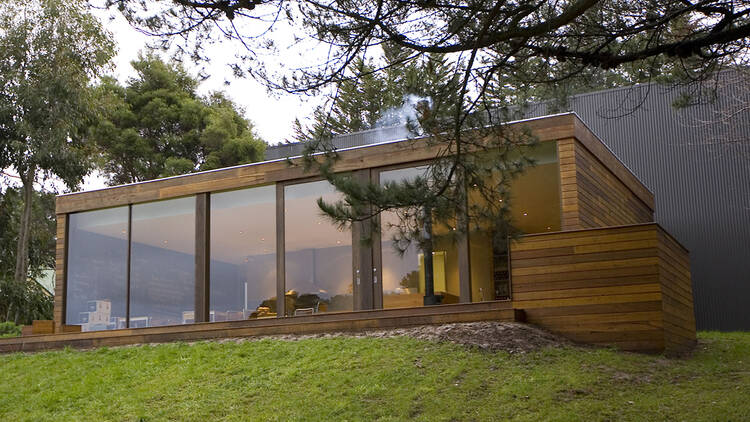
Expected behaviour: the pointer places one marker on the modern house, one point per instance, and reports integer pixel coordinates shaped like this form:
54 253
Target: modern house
696 161
213 253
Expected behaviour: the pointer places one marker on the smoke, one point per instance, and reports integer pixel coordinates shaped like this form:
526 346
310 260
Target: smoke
406 115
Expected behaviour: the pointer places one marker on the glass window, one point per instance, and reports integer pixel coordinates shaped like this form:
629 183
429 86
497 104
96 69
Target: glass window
97 269
403 274
535 208
243 254
318 254
162 272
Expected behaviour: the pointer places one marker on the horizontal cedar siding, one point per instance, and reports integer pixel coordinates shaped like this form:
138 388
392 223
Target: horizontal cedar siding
677 292
568 186
602 199
613 286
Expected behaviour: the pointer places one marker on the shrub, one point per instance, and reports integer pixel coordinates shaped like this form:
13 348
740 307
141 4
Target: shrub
9 329
21 303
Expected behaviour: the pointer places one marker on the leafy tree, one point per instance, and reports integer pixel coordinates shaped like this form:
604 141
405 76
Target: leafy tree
51 50
41 252
157 125
22 302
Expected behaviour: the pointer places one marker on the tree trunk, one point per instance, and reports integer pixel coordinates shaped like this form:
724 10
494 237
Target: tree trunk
24 230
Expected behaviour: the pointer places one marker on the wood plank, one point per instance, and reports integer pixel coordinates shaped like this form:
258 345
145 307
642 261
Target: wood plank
576 284
280 252
605 255
594 300
545 129
586 266
586 292
343 321
202 257
589 275
538 314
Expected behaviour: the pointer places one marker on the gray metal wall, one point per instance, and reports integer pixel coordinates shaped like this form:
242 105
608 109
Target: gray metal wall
701 184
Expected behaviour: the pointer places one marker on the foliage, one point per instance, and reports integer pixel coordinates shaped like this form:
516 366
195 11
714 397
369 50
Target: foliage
9 329
51 51
368 379
42 235
23 302
157 126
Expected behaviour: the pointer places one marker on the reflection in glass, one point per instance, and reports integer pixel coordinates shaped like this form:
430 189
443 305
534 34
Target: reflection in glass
403 274
535 208
162 274
243 254
97 269
318 254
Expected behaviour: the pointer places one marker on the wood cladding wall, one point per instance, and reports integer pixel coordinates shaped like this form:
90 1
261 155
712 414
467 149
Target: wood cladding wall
677 294
545 129
596 189
58 314
625 286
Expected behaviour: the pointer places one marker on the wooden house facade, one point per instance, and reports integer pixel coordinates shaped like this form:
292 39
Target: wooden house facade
210 254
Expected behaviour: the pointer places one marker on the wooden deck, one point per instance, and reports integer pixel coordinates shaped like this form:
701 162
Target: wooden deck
333 322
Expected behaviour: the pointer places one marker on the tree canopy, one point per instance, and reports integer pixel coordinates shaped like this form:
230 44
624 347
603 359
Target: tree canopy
158 125
51 50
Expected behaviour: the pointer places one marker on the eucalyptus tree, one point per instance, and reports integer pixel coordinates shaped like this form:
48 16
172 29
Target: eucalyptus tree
51 50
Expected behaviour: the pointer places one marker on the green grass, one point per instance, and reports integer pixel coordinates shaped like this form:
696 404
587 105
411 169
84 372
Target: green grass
375 379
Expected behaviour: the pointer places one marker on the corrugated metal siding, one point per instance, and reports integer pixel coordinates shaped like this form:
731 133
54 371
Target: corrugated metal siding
702 189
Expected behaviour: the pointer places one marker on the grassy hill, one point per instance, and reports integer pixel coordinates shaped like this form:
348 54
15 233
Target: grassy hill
388 379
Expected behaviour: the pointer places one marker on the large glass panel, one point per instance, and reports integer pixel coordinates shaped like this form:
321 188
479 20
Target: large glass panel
535 208
318 254
97 269
403 274
243 254
162 274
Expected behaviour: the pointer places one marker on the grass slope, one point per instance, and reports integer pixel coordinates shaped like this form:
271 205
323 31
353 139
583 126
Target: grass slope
375 379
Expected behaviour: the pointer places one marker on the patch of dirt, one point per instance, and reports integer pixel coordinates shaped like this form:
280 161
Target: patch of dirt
491 336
